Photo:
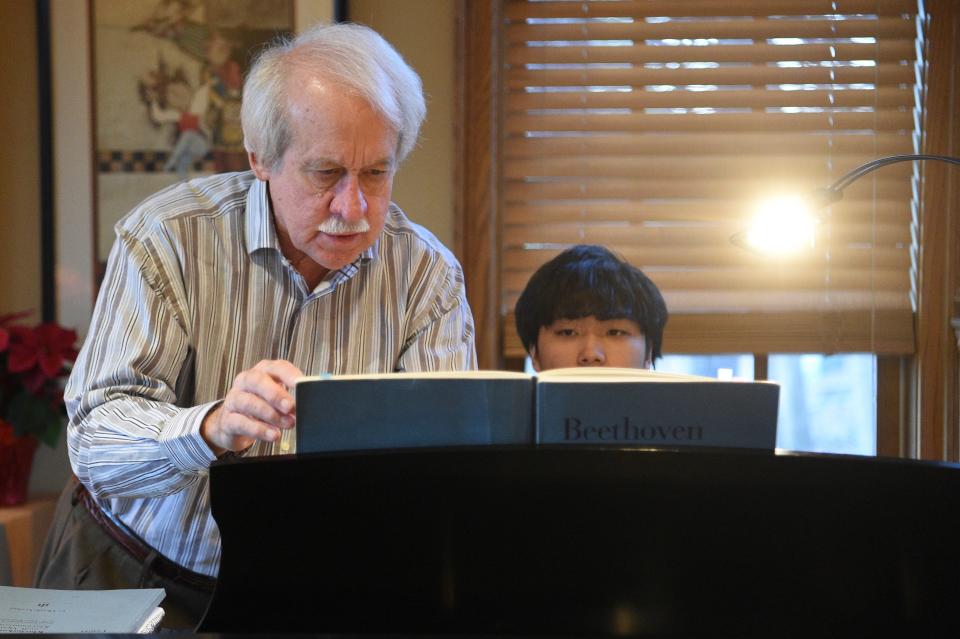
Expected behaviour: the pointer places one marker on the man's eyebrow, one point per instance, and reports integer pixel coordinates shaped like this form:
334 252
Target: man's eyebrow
325 163
313 165
388 161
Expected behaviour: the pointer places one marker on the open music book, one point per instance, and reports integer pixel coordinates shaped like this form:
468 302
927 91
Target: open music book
603 406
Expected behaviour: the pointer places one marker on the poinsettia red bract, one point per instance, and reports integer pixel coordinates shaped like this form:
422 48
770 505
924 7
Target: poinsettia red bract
46 346
34 360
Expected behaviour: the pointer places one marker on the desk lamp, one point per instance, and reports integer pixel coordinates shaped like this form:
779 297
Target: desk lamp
787 224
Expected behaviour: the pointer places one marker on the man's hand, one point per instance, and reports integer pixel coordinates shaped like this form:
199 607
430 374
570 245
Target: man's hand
257 407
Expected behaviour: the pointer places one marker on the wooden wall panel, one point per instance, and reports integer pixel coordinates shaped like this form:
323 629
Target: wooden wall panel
939 273
476 231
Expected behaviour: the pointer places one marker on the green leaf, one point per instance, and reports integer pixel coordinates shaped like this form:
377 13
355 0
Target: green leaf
51 434
31 415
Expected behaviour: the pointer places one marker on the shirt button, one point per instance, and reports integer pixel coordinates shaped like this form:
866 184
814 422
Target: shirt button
323 286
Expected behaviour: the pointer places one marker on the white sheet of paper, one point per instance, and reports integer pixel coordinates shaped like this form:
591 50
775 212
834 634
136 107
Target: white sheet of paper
44 611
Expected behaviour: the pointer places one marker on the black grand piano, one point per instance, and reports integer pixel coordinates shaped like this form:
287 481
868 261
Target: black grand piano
587 542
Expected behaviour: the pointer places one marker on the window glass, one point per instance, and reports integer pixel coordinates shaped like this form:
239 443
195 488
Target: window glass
724 365
827 402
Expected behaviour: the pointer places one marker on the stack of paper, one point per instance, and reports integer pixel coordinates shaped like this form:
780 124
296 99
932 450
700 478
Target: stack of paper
42 611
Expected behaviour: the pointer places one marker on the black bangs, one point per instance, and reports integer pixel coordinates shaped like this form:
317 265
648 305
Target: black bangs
588 280
583 294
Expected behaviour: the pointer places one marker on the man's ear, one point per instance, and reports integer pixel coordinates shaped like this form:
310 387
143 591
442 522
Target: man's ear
261 171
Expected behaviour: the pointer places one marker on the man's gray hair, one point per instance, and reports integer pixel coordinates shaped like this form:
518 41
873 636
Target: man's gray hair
349 54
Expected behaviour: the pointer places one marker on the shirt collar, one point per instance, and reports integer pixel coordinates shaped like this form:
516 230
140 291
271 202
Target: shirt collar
261 233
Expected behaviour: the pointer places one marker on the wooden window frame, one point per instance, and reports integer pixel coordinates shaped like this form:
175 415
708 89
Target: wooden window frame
917 396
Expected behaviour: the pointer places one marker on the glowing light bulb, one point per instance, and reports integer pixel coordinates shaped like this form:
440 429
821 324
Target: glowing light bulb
782 225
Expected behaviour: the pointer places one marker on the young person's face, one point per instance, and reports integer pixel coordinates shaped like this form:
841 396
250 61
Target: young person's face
588 341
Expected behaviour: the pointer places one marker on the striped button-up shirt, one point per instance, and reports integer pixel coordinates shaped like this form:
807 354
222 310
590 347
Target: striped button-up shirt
196 291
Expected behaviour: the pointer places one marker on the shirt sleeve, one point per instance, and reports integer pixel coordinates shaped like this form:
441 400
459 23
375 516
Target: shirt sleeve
130 432
443 336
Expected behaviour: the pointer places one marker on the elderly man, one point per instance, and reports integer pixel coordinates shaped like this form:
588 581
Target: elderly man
221 291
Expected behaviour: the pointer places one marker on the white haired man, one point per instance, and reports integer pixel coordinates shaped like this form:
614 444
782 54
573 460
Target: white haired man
222 290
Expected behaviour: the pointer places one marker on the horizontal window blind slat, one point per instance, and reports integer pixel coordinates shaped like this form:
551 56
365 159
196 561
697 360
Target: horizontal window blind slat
850 210
715 141
746 75
764 301
654 8
886 51
880 120
776 301
884 331
686 240
885 97
887 120
761 28
802 168
761 279
724 255
692 237
615 188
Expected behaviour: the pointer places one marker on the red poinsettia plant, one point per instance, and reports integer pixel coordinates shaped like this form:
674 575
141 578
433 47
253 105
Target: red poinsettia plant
34 361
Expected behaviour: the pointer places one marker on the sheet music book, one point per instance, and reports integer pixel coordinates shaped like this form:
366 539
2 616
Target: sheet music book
599 406
46 611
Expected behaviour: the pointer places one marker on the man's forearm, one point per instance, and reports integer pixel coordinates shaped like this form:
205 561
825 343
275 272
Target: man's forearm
132 447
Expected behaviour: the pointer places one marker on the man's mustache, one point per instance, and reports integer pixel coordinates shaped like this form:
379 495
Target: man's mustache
337 226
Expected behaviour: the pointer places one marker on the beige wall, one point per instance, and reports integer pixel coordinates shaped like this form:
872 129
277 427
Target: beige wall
20 286
423 32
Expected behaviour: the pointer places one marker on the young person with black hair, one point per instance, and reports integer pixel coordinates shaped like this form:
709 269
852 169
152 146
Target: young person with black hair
588 307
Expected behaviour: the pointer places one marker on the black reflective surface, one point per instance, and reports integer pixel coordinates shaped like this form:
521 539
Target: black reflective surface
560 541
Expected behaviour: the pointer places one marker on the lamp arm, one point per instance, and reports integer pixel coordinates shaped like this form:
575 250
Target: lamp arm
834 192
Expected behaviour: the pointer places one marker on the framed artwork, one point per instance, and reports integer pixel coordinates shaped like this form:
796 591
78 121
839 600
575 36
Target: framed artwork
167 78
144 93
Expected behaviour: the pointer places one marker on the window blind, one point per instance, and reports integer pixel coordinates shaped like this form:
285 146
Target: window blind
651 126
